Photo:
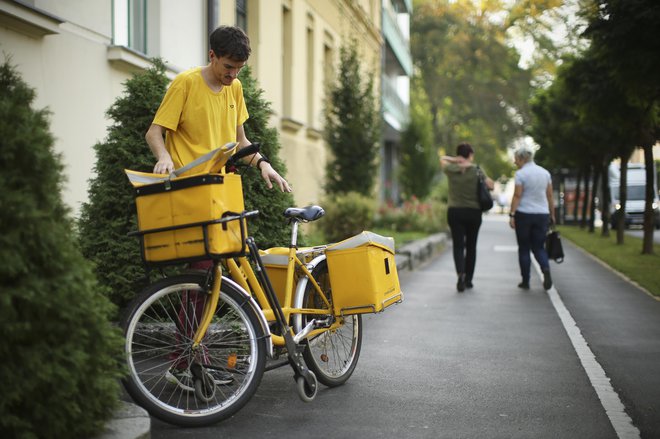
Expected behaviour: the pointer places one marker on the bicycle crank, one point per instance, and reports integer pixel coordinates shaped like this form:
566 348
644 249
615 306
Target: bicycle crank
203 382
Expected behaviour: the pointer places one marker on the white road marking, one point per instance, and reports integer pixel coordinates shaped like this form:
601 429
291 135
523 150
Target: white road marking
505 248
610 400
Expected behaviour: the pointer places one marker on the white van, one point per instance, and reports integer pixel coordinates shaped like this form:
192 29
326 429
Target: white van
634 214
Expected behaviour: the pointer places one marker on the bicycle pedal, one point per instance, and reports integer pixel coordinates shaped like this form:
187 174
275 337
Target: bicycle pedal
305 332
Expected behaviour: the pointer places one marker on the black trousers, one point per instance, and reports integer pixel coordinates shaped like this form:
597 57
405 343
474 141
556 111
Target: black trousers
464 223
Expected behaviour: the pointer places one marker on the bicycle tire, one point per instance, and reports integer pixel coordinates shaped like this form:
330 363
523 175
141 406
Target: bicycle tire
156 340
331 355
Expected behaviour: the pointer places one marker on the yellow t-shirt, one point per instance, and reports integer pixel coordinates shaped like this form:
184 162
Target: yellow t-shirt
198 119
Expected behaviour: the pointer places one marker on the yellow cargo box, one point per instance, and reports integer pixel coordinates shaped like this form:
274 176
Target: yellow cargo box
363 274
186 208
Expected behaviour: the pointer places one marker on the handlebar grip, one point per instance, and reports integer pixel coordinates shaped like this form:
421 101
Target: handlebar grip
243 152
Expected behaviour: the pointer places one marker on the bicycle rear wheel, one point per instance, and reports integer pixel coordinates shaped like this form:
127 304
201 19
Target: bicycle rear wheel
333 354
226 368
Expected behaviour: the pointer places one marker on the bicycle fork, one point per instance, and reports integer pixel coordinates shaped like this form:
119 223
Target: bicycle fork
301 372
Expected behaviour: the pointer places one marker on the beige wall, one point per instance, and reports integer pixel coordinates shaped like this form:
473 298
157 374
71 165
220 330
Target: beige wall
78 73
64 70
284 74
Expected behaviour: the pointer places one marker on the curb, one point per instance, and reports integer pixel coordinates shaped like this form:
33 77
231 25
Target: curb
413 254
131 421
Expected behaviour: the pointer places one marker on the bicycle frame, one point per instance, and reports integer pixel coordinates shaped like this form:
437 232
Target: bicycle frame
242 273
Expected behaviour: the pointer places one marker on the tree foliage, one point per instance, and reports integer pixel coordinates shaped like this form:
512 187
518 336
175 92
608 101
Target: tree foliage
605 100
60 354
352 127
476 89
419 159
624 35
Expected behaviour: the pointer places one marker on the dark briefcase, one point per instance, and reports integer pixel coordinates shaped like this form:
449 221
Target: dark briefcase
553 246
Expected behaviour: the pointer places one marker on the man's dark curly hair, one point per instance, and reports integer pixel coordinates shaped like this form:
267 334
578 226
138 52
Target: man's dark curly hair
230 42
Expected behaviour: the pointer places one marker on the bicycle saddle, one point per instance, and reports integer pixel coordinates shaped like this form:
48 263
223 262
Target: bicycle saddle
309 213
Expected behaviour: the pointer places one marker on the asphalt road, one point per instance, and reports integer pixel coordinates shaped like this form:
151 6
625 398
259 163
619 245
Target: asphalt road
492 362
639 233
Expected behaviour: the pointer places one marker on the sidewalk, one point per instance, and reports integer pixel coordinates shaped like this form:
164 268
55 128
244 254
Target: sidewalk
133 422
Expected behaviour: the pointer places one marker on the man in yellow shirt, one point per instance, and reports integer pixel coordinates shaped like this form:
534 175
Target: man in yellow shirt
204 109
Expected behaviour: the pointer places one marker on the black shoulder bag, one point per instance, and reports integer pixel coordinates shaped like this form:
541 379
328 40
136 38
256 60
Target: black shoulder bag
483 194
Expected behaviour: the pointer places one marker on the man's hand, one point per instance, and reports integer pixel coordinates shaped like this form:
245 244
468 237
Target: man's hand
164 165
155 139
270 175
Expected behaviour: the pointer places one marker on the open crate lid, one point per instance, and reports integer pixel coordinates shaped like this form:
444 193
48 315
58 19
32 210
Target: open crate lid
211 162
364 239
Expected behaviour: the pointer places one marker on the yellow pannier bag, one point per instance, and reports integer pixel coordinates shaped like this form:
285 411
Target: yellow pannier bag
275 261
180 218
363 274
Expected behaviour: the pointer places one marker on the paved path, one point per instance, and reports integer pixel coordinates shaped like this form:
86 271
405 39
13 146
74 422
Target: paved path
492 362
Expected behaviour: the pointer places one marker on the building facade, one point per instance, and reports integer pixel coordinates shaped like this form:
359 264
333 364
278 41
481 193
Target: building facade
397 71
77 54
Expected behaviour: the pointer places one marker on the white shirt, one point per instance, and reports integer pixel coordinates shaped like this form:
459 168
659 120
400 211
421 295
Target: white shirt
534 181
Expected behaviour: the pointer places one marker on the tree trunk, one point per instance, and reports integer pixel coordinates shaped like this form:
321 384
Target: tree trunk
606 200
649 219
587 196
576 207
594 195
623 199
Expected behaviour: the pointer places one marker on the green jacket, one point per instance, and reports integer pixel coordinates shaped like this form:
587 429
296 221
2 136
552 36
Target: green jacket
462 186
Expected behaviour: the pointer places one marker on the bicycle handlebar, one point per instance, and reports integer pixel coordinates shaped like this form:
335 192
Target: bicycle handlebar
243 152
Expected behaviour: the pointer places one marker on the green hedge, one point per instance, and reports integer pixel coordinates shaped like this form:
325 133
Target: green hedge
346 215
60 355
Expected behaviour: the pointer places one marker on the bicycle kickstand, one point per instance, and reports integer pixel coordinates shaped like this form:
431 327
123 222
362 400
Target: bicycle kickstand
307 384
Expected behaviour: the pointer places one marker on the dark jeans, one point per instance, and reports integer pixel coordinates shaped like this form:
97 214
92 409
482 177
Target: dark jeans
464 223
531 229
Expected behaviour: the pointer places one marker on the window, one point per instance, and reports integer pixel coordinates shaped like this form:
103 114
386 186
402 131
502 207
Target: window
129 24
241 14
311 64
287 62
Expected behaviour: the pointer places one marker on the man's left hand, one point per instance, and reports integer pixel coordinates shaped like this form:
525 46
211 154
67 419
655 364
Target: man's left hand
270 175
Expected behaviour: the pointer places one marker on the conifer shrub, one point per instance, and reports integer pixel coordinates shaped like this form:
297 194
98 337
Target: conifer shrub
352 128
270 228
110 213
60 355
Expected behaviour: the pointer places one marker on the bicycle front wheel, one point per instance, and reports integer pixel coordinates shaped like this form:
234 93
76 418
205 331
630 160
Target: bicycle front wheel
180 384
333 354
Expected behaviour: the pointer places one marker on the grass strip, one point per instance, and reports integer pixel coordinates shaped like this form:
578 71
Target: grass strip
626 259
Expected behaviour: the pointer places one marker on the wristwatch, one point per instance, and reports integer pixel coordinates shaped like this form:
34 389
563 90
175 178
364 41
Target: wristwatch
262 159
512 214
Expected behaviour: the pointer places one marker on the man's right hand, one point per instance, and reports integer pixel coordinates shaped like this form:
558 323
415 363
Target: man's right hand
164 165
155 139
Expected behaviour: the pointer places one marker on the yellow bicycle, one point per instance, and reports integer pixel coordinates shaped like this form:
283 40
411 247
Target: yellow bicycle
197 344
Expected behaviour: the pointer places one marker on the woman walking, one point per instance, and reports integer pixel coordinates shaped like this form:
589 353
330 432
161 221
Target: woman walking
532 210
463 213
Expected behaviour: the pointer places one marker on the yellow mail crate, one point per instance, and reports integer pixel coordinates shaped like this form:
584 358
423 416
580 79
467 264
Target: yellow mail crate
193 200
363 274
